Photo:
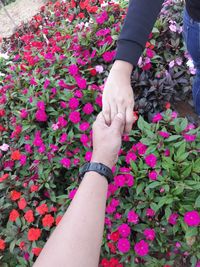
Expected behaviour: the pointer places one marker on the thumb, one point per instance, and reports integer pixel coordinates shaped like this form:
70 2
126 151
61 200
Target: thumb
118 123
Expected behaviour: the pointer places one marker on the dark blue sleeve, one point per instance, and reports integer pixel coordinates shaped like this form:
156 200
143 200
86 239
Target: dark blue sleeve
138 24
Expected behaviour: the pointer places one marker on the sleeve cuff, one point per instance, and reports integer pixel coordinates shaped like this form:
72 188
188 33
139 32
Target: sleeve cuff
128 51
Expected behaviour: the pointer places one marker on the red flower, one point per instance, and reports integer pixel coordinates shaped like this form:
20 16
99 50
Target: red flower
36 251
4 177
14 214
112 247
15 195
2 112
114 236
48 220
34 188
29 216
2 244
15 155
22 203
34 234
42 209
58 219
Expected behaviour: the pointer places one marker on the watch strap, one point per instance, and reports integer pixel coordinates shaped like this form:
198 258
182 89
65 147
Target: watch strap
96 167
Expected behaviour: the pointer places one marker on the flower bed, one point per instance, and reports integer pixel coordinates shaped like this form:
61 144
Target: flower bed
50 94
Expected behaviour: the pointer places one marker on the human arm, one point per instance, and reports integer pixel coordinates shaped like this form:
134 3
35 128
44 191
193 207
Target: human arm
76 241
118 94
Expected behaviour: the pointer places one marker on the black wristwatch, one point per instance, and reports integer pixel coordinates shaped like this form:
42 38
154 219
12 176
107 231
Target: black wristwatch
96 167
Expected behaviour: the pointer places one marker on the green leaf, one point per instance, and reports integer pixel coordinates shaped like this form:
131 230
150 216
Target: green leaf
140 188
142 124
153 185
197 202
191 231
196 167
173 138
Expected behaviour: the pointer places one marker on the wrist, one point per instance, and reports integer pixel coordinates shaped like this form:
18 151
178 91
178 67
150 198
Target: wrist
103 161
123 66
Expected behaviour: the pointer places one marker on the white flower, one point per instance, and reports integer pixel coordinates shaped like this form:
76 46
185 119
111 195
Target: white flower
190 63
4 147
5 56
99 68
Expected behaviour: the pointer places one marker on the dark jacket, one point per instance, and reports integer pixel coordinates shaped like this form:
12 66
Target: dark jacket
138 24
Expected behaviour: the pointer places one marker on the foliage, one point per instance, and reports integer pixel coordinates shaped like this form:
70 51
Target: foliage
50 93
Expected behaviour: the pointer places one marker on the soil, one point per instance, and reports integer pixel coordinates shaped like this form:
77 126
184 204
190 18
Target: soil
19 11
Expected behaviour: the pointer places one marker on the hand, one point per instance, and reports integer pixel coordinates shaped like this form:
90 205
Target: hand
118 94
107 139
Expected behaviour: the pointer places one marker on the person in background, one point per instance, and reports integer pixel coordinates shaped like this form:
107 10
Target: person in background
118 95
76 241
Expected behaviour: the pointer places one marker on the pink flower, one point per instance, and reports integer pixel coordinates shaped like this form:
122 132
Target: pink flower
190 137
88 155
41 105
120 180
4 147
167 152
173 218
141 148
61 122
164 134
102 18
108 56
141 248
88 108
82 84
37 140
84 139
133 217
123 245
192 218
158 117
124 230
172 28
73 103
151 160
150 212
84 126
78 94
23 160
41 115
55 126
63 138
150 53
23 113
99 68
73 70
129 180
149 234
75 117
72 193
153 175
130 156
65 162
46 83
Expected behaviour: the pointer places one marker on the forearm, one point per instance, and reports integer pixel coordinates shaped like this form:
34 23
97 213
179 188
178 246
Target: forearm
77 239
138 24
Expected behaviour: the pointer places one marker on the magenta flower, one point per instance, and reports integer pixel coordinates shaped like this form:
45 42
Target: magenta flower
120 180
123 245
24 113
129 180
63 138
46 83
102 18
133 217
75 117
84 139
158 117
173 218
149 234
88 108
73 103
108 56
151 160
164 134
150 53
37 140
41 115
141 148
130 156
82 83
72 193
124 230
73 70
41 105
88 155
153 175
84 126
192 218
150 212
189 137
141 248
23 160
65 162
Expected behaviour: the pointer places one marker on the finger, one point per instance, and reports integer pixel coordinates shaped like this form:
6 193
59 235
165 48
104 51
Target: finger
107 113
129 120
118 123
121 109
113 111
100 118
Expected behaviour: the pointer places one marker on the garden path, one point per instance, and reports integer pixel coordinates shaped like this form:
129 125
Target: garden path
21 10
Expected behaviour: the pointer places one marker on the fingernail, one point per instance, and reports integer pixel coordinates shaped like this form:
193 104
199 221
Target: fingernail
120 116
